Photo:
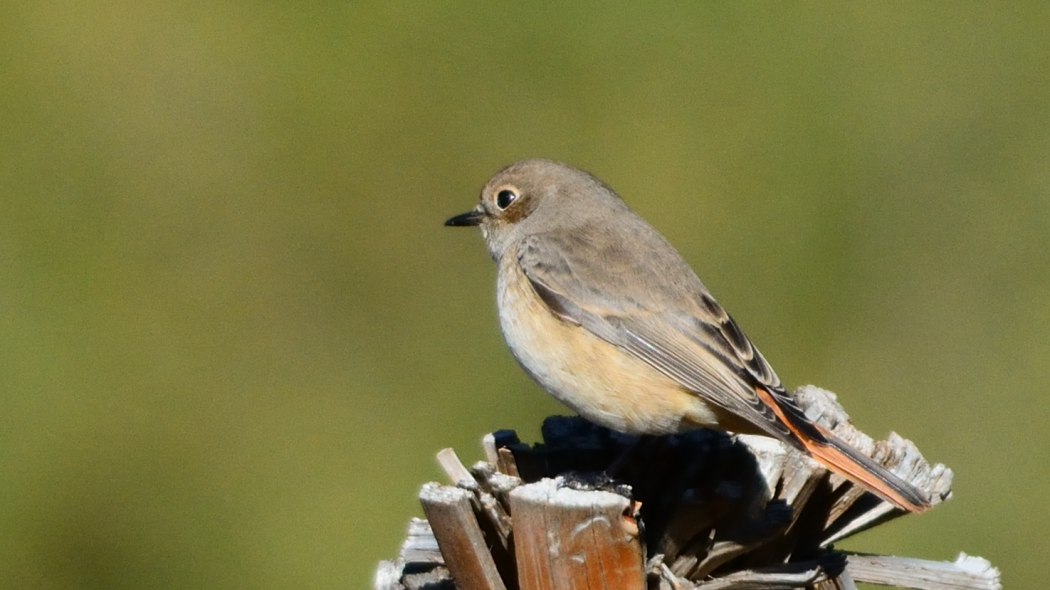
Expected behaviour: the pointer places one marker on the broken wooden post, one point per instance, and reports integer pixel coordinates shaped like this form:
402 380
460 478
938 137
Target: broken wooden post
569 538
700 510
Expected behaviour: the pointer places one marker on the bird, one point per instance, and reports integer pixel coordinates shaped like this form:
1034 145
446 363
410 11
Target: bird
604 314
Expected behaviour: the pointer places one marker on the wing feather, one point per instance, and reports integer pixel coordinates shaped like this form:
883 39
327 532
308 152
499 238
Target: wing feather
680 330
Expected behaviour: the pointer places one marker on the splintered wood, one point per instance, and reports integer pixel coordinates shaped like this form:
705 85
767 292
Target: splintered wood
569 538
590 508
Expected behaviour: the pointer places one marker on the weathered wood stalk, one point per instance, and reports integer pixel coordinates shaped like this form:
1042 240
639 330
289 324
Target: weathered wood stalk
593 509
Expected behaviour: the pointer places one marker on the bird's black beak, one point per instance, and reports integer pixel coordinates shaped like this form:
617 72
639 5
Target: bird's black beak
466 219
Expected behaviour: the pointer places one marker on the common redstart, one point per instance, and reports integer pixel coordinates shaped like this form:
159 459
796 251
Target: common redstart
605 315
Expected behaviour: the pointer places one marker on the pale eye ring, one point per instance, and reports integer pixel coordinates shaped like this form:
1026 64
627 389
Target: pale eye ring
505 197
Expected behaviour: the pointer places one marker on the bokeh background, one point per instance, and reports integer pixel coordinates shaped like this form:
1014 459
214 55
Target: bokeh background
233 331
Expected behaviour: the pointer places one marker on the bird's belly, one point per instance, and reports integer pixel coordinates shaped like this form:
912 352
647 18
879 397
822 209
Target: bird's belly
596 379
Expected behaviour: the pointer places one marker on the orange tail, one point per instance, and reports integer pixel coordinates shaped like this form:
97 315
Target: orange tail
850 463
863 470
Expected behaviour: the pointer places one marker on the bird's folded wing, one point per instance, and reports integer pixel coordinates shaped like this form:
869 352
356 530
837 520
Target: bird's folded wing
686 335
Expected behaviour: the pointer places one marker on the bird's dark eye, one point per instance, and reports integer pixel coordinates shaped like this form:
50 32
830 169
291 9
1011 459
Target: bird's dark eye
505 197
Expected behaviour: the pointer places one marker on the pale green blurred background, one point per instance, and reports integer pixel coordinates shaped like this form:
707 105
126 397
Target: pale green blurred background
233 331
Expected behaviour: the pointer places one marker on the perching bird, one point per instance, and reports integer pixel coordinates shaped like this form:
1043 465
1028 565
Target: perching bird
604 314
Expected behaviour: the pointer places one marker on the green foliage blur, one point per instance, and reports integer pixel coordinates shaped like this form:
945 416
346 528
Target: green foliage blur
233 331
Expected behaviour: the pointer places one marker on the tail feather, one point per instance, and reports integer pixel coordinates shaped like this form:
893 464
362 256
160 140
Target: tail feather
835 454
863 470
